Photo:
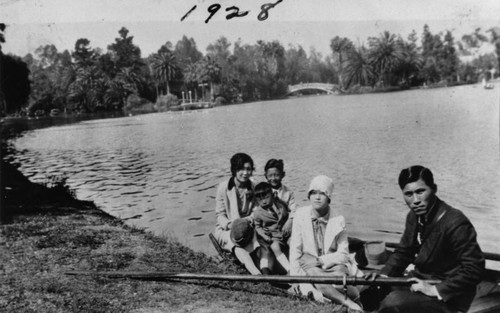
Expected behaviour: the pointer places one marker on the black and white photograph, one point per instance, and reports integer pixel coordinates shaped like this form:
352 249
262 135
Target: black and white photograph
249 156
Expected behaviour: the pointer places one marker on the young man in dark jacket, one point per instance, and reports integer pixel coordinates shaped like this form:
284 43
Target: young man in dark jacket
441 242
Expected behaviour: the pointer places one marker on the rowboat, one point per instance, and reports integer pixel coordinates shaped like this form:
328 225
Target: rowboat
487 297
483 304
488 291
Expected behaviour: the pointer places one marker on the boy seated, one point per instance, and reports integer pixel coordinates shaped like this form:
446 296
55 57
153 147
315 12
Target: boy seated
269 218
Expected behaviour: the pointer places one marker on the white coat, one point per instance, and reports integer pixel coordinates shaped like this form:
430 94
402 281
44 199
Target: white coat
302 241
335 238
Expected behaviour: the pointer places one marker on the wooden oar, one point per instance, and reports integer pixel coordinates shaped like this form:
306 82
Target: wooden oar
338 280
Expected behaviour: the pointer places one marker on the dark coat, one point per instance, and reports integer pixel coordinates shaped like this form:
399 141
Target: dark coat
270 223
449 252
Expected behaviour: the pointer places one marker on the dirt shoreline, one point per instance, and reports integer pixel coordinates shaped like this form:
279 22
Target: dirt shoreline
48 232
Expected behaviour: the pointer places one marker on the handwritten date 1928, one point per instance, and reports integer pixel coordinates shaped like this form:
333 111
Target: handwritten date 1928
234 11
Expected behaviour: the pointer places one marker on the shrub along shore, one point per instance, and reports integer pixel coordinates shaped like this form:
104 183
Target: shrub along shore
47 231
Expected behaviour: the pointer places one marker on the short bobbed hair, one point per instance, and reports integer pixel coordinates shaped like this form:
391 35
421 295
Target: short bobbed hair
273 163
414 173
238 162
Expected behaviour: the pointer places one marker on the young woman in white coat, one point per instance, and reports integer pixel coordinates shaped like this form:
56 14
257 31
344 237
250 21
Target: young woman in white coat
235 200
319 244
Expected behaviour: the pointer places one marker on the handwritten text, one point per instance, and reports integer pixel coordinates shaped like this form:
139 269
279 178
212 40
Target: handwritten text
234 11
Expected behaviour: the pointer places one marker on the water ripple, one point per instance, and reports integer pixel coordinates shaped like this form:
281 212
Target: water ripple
162 170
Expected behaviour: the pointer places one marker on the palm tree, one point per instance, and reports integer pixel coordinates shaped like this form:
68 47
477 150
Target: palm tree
66 77
358 69
130 79
209 71
82 89
164 65
385 55
151 71
411 63
341 46
119 88
116 93
192 77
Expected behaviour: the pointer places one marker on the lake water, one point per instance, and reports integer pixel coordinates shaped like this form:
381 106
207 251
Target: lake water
160 171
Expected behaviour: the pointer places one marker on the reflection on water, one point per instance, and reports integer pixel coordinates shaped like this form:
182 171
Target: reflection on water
160 171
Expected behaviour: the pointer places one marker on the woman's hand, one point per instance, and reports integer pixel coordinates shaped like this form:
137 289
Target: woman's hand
267 238
373 275
287 228
310 260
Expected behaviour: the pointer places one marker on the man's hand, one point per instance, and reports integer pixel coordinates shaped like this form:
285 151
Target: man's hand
423 287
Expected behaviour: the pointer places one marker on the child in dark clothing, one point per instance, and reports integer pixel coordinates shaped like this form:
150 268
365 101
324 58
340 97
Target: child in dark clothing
269 218
274 173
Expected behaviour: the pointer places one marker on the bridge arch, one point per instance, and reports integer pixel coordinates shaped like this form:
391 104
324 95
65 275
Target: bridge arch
328 88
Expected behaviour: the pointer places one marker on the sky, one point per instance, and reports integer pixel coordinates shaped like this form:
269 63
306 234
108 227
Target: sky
32 23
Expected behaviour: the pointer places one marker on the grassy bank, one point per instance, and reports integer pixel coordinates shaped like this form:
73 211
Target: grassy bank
48 232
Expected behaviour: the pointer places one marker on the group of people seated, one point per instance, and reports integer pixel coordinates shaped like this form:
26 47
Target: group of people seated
255 221
262 226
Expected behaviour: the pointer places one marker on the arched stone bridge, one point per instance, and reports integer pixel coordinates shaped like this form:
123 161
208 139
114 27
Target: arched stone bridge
329 88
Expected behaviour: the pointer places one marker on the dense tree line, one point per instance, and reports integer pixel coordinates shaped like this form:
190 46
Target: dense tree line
88 79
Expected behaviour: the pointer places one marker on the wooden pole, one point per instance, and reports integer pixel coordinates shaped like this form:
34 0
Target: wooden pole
215 243
337 280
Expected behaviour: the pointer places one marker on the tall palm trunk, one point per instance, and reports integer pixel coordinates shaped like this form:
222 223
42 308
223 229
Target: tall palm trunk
341 83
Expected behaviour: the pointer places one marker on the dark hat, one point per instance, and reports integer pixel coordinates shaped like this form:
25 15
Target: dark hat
376 253
242 232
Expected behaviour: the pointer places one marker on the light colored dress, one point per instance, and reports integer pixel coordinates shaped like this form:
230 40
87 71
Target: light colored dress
334 252
230 205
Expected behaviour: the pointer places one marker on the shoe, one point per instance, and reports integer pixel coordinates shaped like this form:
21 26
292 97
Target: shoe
294 290
266 271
